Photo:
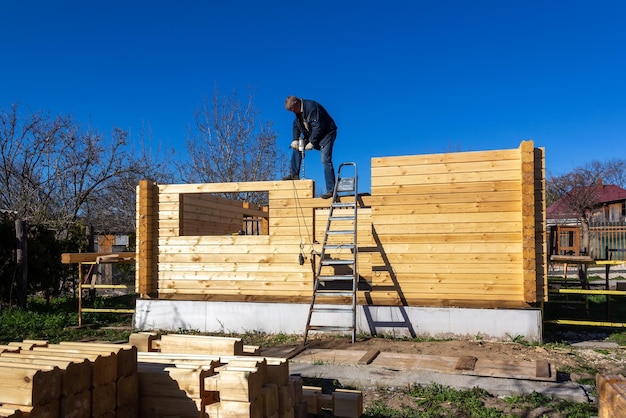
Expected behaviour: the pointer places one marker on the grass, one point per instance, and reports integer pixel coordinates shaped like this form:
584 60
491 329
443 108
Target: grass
58 321
435 400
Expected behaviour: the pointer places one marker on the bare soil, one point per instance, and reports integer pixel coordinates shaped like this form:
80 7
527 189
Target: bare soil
572 362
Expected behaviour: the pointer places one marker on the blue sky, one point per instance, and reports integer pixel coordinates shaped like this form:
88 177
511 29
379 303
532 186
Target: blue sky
399 77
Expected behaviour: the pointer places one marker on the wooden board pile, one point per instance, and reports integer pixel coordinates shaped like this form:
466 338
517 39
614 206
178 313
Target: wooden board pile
611 396
177 376
69 380
191 376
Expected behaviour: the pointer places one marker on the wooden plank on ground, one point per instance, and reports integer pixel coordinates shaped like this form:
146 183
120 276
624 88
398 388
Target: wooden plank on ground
368 357
401 361
466 363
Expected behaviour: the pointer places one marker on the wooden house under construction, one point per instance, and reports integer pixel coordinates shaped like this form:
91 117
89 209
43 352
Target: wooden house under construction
448 244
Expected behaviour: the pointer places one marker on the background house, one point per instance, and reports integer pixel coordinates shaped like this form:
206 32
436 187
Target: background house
607 222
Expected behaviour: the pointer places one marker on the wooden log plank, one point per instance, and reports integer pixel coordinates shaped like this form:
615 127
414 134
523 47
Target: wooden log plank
239 384
197 344
401 193
49 410
255 363
27 384
312 395
72 258
76 405
347 403
229 258
186 381
478 219
103 367
179 358
103 399
611 395
165 407
128 411
286 397
403 181
192 247
10 413
126 354
393 231
143 341
127 391
77 373
445 158
442 168
269 394
256 186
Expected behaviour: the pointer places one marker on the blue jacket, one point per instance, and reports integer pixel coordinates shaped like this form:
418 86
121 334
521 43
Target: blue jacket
321 127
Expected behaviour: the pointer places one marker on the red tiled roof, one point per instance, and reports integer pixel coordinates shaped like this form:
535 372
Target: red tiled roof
608 194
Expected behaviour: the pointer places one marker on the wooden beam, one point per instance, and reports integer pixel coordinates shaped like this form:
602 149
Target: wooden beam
74 258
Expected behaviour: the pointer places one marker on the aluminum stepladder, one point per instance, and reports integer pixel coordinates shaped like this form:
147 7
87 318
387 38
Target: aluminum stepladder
336 273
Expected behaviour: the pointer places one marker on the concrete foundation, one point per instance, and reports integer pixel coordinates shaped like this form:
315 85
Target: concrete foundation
274 318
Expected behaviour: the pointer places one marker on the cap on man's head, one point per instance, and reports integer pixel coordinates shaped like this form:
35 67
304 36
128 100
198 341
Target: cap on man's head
290 101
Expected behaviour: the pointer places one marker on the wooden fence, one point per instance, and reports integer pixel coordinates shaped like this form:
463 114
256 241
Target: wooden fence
609 238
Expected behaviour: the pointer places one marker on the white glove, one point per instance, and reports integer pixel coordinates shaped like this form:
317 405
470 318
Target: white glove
309 146
294 145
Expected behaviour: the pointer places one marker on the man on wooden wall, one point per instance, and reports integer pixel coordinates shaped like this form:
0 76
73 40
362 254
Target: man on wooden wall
317 127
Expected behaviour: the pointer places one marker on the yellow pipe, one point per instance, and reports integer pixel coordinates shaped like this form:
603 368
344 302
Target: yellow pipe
590 292
587 323
109 310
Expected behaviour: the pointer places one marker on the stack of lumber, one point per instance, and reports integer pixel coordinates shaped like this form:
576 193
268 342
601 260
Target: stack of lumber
70 380
217 377
611 396
341 402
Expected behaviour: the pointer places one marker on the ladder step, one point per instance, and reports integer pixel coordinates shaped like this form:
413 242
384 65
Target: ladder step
343 205
328 328
337 262
326 279
339 246
342 218
333 310
330 293
341 232
346 184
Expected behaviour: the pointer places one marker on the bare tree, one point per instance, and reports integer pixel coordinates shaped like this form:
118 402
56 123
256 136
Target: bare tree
615 172
54 173
580 191
227 144
111 209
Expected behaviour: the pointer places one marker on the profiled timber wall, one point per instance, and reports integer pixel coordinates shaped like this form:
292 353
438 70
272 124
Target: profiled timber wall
460 229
